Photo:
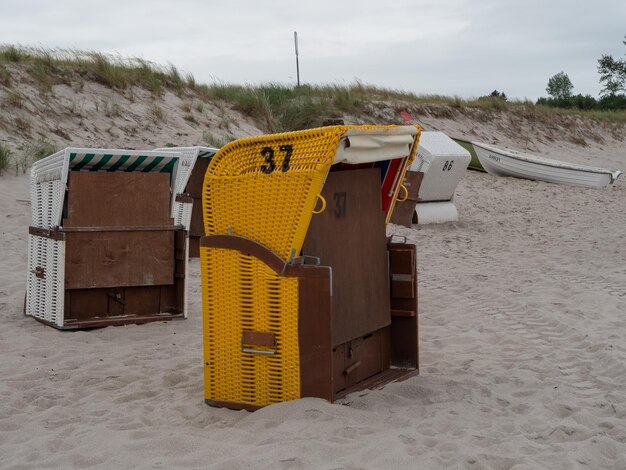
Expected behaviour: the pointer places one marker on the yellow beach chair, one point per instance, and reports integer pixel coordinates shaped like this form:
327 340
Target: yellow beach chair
276 325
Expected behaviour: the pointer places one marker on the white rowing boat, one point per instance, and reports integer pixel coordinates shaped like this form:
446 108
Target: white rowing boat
506 162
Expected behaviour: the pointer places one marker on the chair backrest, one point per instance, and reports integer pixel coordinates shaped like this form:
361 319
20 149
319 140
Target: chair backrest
50 175
266 188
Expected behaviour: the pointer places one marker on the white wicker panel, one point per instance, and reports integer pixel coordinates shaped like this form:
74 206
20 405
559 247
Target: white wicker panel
181 212
47 203
35 202
49 168
33 286
433 144
45 297
56 193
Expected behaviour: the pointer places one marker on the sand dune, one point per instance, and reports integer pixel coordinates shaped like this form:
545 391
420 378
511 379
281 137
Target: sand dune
523 357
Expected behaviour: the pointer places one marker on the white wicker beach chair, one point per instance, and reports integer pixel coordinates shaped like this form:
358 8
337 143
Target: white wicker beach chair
46 293
443 163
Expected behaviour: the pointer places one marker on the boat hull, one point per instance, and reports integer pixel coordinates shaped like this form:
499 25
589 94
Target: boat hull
508 163
474 162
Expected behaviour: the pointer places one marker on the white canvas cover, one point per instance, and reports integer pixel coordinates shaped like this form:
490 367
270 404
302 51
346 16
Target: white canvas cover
368 146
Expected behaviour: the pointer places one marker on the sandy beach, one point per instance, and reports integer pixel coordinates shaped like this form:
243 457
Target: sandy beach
523 356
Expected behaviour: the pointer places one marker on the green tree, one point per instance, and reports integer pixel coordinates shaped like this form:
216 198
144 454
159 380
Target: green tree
498 94
560 87
612 74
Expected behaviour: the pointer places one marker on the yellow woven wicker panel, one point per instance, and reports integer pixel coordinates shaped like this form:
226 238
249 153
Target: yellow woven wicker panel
240 293
265 188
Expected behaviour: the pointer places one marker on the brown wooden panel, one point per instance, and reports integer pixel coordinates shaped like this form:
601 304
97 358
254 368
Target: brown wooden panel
116 259
108 303
114 321
87 304
264 254
366 356
404 325
247 246
402 258
378 381
180 269
401 288
339 366
142 300
196 227
402 271
360 359
404 342
116 301
168 300
314 333
259 338
196 179
118 199
232 405
184 198
373 352
350 237
403 213
412 182
194 247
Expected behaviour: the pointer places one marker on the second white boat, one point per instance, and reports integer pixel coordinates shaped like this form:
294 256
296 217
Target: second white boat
507 162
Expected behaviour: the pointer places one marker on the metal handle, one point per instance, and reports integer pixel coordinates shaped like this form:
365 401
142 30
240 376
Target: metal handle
304 258
401 237
39 272
258 351
323 208
406 193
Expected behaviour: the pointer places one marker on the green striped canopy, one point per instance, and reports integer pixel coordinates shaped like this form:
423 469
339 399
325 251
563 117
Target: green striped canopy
116 162
207 154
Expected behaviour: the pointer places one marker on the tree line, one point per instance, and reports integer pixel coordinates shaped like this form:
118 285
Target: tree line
612 96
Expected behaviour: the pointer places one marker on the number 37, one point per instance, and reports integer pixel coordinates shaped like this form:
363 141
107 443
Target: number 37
270 164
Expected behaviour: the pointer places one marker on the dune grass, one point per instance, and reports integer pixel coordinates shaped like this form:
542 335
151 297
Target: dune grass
276 107
110 70
39 149
6 155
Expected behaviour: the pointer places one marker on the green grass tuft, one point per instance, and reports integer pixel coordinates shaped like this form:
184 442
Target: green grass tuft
39 149
6 155
212 140
12 54
5 76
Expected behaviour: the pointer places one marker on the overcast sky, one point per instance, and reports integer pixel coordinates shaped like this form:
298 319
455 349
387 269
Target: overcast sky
451 47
